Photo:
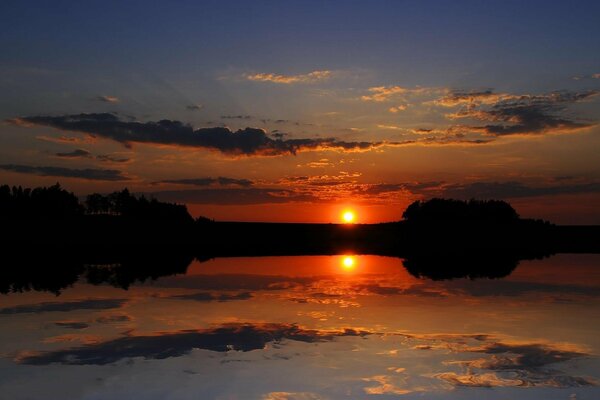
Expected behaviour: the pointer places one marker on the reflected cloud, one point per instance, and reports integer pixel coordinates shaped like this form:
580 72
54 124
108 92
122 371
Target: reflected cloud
230 337
208 297
91 304
518 365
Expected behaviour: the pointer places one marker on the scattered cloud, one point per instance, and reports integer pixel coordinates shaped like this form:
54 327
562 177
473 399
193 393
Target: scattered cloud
517 114
208 181
87 173
108 99
397 109
78 153
386 93
311 77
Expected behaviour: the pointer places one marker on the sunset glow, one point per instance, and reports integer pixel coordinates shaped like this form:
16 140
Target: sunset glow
348 262
348 216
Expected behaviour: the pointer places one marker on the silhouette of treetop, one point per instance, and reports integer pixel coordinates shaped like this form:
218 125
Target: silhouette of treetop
457 210
41 202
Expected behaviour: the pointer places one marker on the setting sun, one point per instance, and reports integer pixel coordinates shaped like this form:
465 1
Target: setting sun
348 216
348 262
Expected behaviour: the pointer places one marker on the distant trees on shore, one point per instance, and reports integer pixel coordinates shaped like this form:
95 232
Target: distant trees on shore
41 202
54 202
458 210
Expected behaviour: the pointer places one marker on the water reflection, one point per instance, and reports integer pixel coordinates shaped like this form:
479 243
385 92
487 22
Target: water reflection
310 327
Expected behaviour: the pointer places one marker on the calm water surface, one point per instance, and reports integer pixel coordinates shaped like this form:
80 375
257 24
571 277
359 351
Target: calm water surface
310 327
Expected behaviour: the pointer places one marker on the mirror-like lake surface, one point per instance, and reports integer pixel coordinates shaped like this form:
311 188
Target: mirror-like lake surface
310 327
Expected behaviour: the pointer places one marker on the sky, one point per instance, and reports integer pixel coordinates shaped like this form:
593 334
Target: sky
298 110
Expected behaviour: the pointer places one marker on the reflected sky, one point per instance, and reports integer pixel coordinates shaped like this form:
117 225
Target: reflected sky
310 327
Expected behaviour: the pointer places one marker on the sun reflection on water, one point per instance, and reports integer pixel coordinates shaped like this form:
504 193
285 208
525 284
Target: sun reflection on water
348 262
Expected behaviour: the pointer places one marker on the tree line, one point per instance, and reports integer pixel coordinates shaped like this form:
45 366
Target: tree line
54 202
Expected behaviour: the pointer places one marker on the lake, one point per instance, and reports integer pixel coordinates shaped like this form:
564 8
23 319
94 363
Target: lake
307 327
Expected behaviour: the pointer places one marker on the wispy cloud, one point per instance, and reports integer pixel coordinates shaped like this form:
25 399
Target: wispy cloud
310 77
209 181
194 107
87 173
386 93
78 153
108 99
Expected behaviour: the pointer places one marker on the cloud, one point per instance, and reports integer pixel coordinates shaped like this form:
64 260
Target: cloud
397 109
457 98
248 141
112 158
233 196
90 304
386 93
236 116
72 325
311 77
108 99
238 337
512 190
208 181
517 114
87 173
194 107
210 297
78 153
518 365
292 396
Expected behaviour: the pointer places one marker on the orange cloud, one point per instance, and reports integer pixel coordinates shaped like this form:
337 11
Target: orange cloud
311 77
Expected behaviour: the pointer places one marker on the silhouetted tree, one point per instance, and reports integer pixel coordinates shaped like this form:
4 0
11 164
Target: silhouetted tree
41 202
458 210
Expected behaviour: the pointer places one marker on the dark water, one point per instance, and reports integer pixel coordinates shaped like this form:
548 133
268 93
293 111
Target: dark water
310 327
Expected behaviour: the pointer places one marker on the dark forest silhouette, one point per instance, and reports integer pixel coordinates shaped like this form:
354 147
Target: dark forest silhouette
120 238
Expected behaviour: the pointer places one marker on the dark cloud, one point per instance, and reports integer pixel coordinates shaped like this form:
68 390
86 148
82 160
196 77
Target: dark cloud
519 115
512 190
209 181
236 116
482 287
113 318
238 337
233 196
111 158
194 107
91 304
87 173
78 153
248 141
210 297
72 325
